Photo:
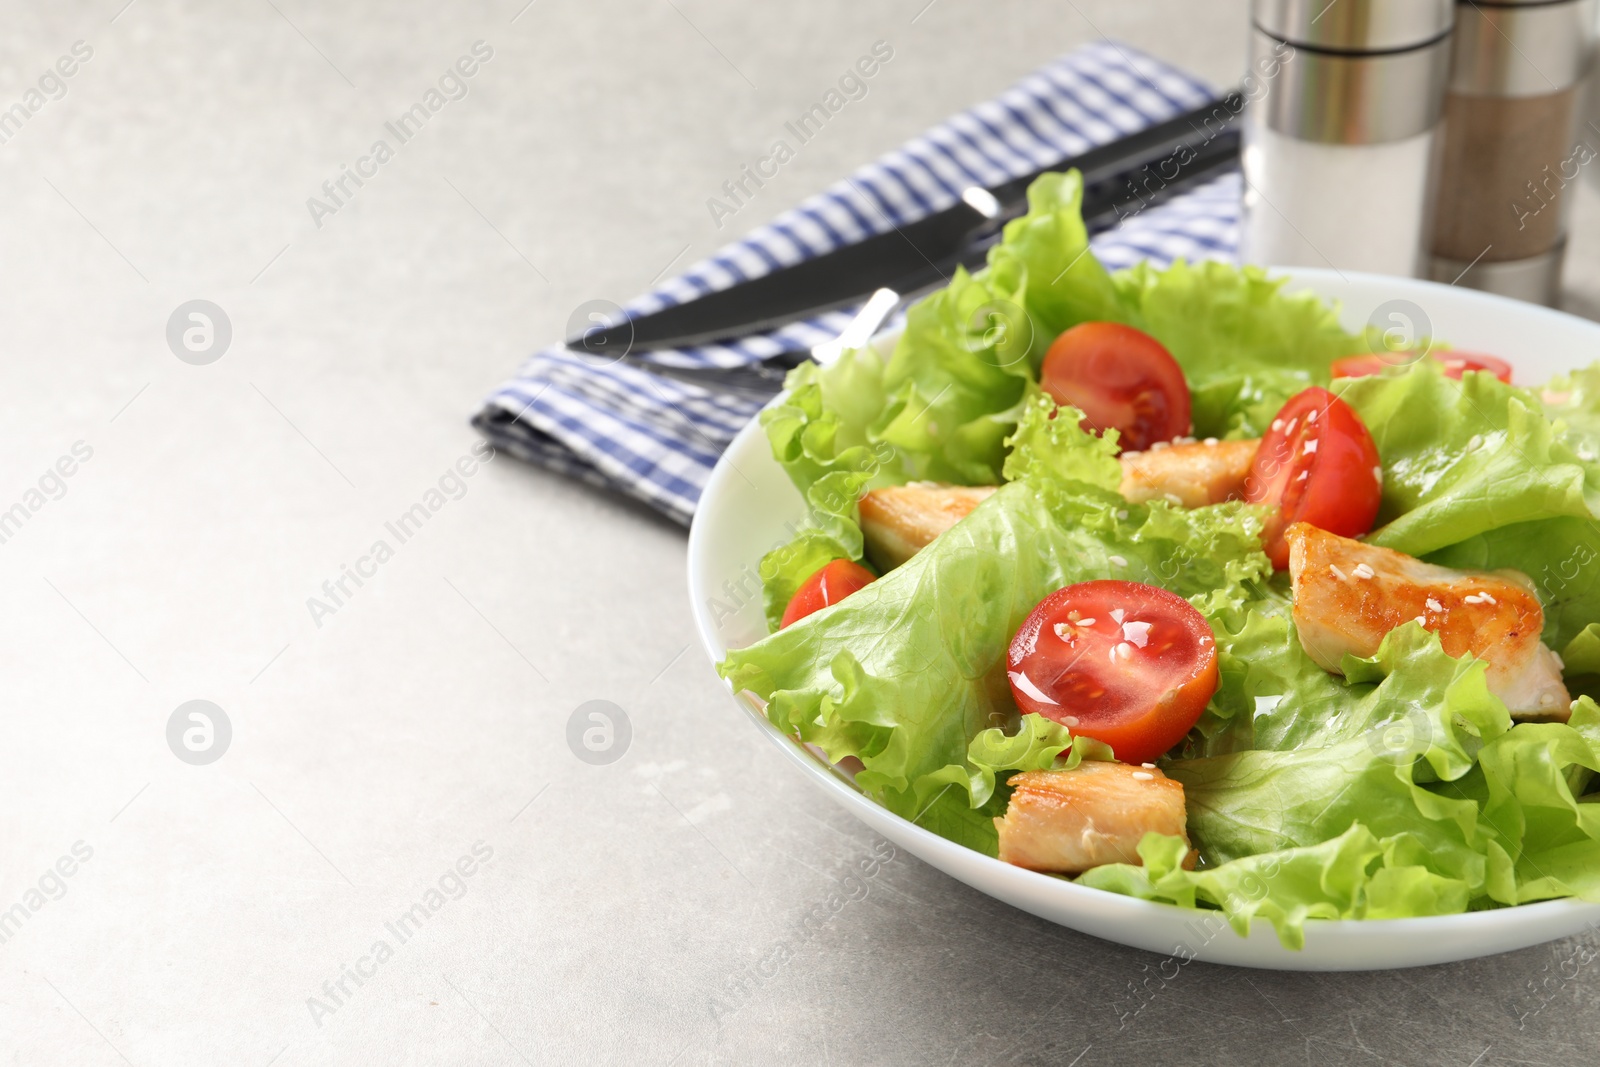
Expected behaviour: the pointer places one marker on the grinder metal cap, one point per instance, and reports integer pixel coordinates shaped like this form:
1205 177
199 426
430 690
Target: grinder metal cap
1352 71
1355 26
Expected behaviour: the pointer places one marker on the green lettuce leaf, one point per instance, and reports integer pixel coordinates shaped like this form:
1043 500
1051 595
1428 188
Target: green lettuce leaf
819 432
1245 346
1544 840
1352 876
1324 771
908 674
955 379
1575 400
1581 655
1269 691
1051 447
1464 457
1056 279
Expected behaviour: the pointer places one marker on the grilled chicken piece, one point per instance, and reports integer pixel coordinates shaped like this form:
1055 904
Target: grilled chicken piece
901 520
1190 474
1068 821
1348 595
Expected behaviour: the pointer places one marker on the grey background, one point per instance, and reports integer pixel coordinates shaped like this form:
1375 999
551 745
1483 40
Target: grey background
647 911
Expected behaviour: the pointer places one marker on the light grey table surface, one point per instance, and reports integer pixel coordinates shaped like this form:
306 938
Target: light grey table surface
649 911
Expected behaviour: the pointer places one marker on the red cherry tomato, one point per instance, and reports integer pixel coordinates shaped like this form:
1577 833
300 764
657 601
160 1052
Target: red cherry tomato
1455 363
1123 379
831 584
1127 664
1316 464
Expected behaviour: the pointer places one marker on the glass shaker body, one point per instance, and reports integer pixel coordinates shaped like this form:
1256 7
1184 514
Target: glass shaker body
1339 141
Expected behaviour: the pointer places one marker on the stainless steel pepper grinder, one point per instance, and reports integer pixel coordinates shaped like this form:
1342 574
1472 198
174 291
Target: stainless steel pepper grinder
1509 147
1339 140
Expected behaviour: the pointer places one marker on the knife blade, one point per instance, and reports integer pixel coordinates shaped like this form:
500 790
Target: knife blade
1120 178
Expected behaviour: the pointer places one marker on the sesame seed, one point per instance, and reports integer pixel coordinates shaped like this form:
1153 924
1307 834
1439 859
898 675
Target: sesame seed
1277 424
1337 573
1474 442
1069 720
1132 455
1486 598
1172 498
1312 417
1122 513
1377 475
1363 571
1212 441
1117 561
1148 766
1289 429
1421 620
1086 622
1434 605
1124 650
1144 776
1159 445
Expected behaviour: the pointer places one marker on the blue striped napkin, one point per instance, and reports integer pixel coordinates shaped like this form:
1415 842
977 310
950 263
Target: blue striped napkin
656 438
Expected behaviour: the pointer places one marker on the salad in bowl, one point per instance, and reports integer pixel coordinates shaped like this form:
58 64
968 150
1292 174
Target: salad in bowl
1165 583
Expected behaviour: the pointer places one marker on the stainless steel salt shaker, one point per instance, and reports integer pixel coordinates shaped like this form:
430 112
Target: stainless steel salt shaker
1509 150
1338 142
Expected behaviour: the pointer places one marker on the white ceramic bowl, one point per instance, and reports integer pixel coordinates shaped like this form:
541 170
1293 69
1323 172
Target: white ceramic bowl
750 502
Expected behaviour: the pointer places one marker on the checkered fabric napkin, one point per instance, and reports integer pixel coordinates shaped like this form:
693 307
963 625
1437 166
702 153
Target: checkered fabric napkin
657 438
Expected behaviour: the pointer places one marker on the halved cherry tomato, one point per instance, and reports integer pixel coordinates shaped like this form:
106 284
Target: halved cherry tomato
1127 664
829 585
1317 464
1123 379
1455 363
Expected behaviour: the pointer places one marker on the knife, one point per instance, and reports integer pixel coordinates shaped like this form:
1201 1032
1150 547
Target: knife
1120 178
